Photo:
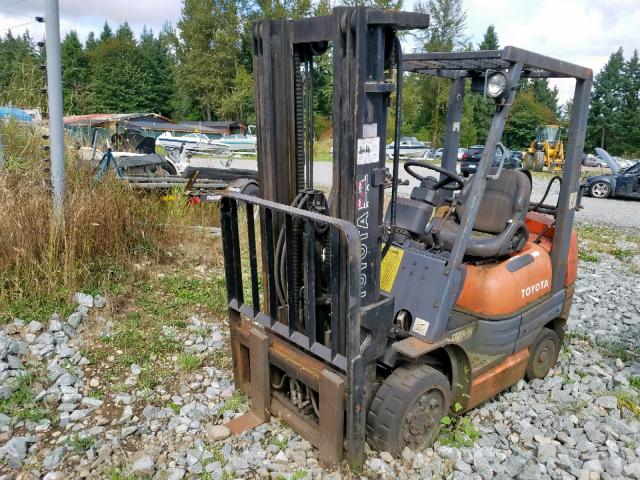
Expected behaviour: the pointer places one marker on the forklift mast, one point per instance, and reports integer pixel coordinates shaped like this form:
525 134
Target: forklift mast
364 46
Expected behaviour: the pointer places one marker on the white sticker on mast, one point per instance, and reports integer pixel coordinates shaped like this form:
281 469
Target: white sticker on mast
368 150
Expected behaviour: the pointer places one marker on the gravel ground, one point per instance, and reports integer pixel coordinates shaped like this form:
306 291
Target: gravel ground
580 422
624 213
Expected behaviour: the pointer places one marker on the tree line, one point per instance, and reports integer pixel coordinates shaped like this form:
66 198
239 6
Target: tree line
202 69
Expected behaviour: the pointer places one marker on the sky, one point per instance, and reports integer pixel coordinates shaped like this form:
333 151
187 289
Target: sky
585 32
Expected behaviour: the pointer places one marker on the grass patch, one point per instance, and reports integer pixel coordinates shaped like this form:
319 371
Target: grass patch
188 362
222 359
80 444
44 262
635 382
22 404
115 473
279 441
458 431
629 402
619 350
588 256
599 239
234 403
175 407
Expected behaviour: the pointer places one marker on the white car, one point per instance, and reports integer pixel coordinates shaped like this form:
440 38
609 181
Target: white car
409 147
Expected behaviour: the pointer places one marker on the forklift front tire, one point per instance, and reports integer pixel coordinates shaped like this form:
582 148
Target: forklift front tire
544 354
407 409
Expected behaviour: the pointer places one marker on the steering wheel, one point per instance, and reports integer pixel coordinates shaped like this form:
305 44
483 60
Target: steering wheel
449 175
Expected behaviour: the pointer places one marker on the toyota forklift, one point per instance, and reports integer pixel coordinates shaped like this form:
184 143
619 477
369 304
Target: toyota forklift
354 323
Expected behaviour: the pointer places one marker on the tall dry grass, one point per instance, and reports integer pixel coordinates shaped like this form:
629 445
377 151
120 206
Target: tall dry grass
107 227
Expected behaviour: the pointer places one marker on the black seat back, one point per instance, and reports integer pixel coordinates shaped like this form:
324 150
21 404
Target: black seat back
505 201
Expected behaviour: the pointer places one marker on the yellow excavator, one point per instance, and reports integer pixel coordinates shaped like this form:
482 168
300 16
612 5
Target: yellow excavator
547 150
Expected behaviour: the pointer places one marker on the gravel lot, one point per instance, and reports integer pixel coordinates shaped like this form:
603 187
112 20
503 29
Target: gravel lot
624 213
581 422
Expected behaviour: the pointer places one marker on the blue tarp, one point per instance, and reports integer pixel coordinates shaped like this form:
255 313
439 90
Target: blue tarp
7 113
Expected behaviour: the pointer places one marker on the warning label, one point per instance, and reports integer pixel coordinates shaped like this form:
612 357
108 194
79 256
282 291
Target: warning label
389 268
368 150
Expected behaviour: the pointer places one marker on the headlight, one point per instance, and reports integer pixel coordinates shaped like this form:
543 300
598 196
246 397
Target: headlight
496 85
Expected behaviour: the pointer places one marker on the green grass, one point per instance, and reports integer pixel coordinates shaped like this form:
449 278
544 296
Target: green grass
175 407
280 442
22 404
166 298
458 432
635 382
588 257
222 359
598 239
28 308
629 402
80 444
115 473
234 403
619 350
188 362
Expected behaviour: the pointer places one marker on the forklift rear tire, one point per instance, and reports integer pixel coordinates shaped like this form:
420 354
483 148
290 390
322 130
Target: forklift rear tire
407 409
544 354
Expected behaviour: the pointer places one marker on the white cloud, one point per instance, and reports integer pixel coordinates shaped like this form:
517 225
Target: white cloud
585 32
89 15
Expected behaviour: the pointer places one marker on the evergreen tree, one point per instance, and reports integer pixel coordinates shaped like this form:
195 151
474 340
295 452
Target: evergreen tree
542 92
490 40
158 62
91 42
14 52
106 33
606 103
124 32
483 108
118 81
627 126
75 75
208 53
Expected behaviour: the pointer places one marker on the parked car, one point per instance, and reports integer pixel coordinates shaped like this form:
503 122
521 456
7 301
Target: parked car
625 184
471 158
438 156
461 152
409 147
429 154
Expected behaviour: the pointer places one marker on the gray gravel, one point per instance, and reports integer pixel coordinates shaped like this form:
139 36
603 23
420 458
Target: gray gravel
574 424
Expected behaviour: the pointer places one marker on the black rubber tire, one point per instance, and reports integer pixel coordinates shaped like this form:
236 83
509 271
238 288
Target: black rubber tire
543 354
250 189
538 161
388 419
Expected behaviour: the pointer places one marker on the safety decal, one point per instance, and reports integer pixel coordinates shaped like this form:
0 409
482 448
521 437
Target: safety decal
368 150
420 326
389 268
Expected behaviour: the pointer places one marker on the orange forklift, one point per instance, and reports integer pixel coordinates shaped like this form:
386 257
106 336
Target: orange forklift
357 325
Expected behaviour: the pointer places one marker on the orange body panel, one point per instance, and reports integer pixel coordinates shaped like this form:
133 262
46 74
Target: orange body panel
495 380
536 223
494 290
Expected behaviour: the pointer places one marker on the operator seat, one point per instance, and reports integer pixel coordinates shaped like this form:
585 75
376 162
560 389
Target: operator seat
499 228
